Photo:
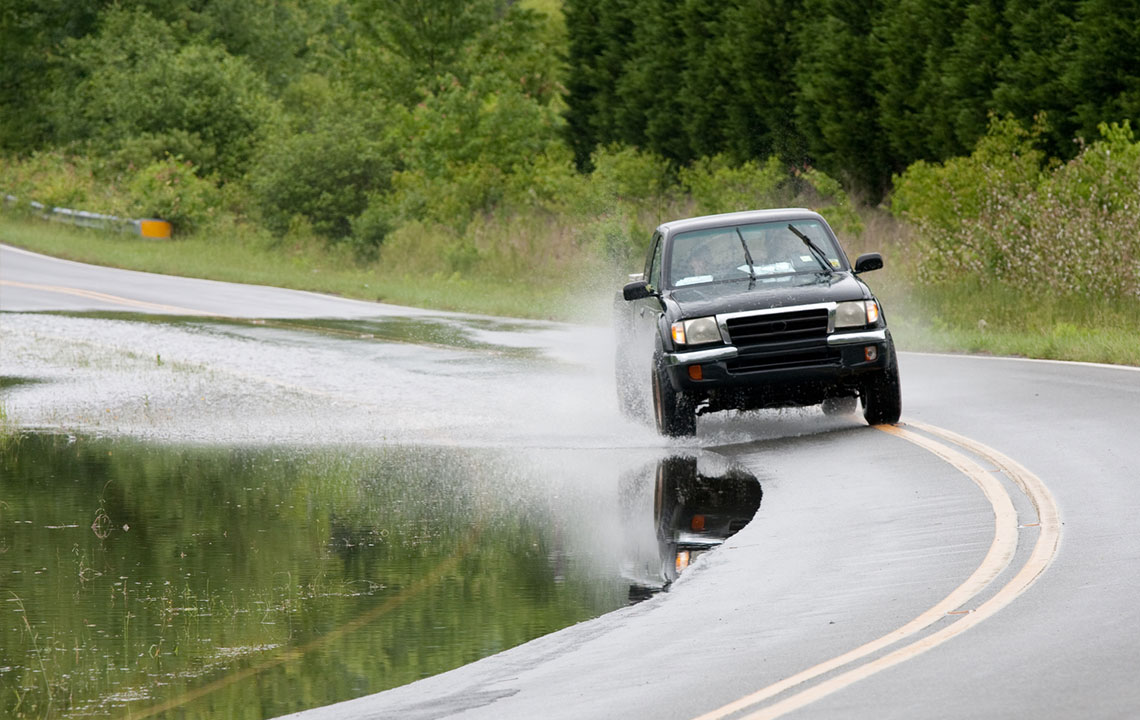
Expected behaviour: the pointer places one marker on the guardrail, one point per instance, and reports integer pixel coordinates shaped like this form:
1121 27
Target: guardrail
146 227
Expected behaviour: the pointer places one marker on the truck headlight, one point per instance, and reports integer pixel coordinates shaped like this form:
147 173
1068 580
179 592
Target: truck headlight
856 314
697 331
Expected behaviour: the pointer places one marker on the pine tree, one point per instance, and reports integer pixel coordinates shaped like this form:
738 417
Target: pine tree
913 37
970 71
836 106
1104 75
760 48
1042 40
650 115
599 35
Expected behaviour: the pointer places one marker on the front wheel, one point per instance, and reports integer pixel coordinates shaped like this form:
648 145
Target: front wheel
675 414
882 395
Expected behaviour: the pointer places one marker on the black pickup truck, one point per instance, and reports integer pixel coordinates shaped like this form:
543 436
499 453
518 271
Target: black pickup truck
753 310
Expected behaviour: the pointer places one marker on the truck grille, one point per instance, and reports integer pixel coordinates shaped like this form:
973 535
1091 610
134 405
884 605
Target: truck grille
776 341
770 328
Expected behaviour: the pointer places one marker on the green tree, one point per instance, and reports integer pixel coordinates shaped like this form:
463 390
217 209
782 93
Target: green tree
705 88
913 37
760 50
970 71
1031 76
133 80
272 36
647 112
325 174
405 45
1105 71
600 42
836 106
30 32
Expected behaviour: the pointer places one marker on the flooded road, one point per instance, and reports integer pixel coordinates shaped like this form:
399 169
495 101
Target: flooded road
249 517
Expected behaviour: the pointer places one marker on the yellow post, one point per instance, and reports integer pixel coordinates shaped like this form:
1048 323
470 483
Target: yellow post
159 229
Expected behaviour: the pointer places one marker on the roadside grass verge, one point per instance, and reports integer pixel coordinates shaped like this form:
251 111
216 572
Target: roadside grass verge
961 316
970 317
301 265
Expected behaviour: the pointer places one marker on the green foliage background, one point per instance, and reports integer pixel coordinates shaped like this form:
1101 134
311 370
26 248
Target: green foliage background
859 90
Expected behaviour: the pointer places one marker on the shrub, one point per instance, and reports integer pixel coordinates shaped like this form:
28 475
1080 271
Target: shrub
998 217
171 190
551 182
132 80
51 178
719 186
625 174
325 175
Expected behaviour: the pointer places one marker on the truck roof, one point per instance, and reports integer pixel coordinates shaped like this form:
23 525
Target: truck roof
736 218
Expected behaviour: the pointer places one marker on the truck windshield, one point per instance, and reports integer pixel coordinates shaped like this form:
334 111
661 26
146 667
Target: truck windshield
715 254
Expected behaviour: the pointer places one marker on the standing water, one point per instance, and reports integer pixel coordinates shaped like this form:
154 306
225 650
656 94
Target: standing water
281 579
150 580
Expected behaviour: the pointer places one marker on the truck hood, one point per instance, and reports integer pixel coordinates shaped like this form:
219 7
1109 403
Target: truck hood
737 296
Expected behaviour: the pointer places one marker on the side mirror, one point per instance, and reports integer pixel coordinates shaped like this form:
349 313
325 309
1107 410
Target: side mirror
636 290
868 262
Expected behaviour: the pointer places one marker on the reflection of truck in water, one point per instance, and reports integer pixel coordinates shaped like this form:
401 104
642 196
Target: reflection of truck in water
678 510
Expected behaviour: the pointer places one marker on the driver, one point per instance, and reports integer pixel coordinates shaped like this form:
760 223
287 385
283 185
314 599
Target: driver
696 267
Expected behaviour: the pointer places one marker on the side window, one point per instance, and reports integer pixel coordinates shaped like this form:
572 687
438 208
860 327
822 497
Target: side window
653 272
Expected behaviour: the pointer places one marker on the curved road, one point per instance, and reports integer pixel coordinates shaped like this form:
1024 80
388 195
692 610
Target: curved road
978 561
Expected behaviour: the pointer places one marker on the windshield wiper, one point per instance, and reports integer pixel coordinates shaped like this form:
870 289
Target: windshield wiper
819 255
747 257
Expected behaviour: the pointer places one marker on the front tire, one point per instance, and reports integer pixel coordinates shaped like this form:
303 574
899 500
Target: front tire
674 413
882 395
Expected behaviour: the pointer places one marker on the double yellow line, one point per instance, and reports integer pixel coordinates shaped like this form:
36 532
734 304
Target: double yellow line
859 661
113 299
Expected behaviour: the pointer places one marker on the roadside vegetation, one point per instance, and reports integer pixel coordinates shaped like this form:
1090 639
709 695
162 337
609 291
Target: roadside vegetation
512 158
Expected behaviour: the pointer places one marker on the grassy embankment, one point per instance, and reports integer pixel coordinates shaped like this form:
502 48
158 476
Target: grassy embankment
964 316
302 266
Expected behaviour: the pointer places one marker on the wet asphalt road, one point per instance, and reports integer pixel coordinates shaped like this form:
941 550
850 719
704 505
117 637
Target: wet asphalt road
859 531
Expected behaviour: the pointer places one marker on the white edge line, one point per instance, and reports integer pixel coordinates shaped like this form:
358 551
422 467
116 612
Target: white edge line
1012 358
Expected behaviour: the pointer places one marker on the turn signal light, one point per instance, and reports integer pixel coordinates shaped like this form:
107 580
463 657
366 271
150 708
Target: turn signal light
678 330
872 312
698 523
696 372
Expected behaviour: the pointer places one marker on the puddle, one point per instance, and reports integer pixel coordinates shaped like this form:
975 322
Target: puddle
445 381
162 580
10 381
463 333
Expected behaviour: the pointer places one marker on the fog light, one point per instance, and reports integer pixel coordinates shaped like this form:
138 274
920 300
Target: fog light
696 372
871 353
682 560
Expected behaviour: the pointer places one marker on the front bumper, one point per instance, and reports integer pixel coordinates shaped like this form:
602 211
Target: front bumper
718 354
780 374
